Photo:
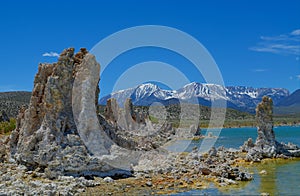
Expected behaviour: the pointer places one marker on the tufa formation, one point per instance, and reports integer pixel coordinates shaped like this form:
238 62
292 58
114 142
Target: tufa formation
266 145
58 132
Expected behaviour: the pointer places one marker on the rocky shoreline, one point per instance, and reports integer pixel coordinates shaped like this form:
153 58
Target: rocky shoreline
179 172
175 172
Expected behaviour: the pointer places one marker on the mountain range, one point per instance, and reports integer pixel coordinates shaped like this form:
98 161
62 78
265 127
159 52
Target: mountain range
237 97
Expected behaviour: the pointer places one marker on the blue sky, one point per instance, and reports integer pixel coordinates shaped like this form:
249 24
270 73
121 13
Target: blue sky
254 43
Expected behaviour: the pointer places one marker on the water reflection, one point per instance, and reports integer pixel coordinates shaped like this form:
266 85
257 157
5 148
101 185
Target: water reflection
282 177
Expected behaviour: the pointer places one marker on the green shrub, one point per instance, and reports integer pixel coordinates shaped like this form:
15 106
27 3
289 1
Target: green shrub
153 119
7 127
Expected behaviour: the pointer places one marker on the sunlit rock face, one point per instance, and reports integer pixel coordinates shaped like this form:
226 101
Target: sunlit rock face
266 145
266 137
54 132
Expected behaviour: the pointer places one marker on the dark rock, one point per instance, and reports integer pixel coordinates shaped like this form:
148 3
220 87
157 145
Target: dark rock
2 152
195 130
3 117
212 151
205 171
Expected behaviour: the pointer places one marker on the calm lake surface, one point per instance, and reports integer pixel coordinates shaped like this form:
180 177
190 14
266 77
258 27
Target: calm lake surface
282 178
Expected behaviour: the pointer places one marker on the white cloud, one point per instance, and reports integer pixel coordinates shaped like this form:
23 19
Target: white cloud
281 44
291 77
51 54
296 32
298 77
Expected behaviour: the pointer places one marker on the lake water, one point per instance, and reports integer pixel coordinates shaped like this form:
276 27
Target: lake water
282 178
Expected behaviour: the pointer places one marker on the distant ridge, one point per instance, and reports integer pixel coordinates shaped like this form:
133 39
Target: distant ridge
10 102
293 99
290 104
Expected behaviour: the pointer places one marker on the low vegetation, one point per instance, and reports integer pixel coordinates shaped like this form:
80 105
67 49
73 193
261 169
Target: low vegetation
233 118
280 120
11 102
7 127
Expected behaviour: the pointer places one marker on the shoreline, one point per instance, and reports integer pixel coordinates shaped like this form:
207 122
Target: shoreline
234 127
161 184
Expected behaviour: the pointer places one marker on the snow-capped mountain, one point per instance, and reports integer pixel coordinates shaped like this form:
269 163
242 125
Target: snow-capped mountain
249 97
237 97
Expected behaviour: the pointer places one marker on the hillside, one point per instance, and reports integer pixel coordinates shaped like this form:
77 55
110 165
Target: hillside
289 105
172 113
293 99
10 102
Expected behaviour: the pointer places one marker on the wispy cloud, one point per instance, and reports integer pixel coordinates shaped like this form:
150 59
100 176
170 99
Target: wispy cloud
287 44
6 88
298 77
259 70
296 32
51 54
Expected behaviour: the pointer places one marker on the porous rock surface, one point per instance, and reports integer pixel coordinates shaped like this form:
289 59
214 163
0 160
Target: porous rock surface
57 131
133 129
18 180
266 145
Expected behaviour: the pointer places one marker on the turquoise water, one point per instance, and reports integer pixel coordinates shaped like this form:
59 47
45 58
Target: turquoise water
282 178
235 137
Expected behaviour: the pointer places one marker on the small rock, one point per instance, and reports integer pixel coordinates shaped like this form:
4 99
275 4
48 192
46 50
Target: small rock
149 183
222 184
65 178
29 172
265 194
212 151
108 179
187 180
263 172
229 181
245 176
205 171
